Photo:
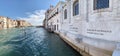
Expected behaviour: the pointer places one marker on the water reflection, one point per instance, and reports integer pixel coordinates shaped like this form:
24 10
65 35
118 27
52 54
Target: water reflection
32 42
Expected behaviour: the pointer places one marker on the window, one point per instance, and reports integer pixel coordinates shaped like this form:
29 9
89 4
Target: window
75 8
57 9
57 27
54 27
57 21
65 14
100 4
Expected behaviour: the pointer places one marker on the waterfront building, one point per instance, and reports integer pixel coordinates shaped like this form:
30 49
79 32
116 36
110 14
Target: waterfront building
15 23
3 21
53 16
1 25
92 25
26 24
47 13
10 23
6 22
22 23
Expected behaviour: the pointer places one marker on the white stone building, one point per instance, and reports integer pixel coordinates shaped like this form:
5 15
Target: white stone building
92 24
53 17
47 13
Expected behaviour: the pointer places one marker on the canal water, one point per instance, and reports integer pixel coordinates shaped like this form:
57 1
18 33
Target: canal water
33 42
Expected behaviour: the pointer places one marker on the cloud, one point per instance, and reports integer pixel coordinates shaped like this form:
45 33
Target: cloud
36 18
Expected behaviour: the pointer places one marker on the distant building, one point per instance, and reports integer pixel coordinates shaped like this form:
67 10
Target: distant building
3 21
6 22
15 23
23 23
10 23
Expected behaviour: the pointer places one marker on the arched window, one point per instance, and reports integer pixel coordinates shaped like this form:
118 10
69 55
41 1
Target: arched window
76 8
65 14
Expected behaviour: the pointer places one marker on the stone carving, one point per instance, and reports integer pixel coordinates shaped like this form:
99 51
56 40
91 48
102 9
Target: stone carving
98 32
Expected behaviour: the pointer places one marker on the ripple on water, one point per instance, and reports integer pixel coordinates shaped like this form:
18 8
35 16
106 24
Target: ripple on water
5 49
32 42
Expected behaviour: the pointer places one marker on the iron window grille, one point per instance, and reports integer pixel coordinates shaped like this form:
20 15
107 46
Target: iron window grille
101 4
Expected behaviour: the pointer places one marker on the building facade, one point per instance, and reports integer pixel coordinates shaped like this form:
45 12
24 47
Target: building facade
47 13
52 17
6 22
22 23
3 21
95 23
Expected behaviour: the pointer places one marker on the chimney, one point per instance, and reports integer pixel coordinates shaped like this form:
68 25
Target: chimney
51 6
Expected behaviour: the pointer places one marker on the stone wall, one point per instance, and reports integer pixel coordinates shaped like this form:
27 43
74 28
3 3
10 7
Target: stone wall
99 28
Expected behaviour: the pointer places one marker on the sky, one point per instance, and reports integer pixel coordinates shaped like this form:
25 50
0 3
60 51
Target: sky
29 10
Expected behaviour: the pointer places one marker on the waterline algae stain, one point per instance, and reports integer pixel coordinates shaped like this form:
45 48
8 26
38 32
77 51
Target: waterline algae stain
32 42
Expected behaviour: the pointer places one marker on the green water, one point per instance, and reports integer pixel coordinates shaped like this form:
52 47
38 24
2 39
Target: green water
33 42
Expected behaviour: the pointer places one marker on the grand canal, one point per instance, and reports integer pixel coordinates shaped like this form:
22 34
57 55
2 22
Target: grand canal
33 42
